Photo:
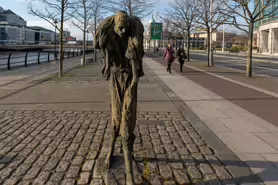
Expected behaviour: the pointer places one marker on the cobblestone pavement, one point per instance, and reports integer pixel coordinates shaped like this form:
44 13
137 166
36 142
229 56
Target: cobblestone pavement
68 147
47 147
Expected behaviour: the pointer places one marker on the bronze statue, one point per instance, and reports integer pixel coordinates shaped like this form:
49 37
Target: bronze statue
120 39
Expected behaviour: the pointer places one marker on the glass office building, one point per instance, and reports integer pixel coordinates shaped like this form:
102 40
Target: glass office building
266 30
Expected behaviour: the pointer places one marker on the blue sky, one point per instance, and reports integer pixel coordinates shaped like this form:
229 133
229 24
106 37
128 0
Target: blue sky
20 8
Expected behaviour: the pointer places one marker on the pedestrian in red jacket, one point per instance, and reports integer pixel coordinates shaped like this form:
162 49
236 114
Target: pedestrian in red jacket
169 57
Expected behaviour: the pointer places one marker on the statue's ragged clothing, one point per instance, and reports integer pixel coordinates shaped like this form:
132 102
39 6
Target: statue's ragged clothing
120 39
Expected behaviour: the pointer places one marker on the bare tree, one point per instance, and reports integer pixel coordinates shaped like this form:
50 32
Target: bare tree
53 11
251 12
209 18
97 10
86 15
139 8
80 17
168 27
182 15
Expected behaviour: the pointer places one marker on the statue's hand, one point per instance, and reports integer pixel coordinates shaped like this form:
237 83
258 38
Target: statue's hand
102 39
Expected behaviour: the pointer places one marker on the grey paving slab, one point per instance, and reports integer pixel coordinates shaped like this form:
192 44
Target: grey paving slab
157 106
56 92
57 106
151 93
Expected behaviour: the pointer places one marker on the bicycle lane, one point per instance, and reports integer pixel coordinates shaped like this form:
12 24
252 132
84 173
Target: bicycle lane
243 118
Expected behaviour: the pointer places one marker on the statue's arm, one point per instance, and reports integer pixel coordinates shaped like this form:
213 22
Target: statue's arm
107 64
132 55
137 49
102 43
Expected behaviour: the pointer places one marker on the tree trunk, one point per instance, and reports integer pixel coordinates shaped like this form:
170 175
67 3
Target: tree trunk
95 50
61 39
208 45
130 8
176 47
188 46
249 51
84 47
84 34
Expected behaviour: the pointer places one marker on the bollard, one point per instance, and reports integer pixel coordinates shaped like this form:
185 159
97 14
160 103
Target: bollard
69 53
26 56
77 52
9 64
73 53
48 59
39 57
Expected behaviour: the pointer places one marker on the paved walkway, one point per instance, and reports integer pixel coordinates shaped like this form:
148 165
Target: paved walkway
19 79
56 132
243 118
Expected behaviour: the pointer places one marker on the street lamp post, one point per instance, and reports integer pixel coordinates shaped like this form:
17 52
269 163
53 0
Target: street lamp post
55 40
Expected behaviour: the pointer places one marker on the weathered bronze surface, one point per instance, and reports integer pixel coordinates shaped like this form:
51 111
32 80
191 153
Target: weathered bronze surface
120 39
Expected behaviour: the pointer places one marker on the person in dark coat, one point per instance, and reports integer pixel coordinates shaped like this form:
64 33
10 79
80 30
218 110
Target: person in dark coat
169 57
181 56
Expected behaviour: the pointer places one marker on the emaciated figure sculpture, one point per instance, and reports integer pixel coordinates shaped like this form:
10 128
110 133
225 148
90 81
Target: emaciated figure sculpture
120 39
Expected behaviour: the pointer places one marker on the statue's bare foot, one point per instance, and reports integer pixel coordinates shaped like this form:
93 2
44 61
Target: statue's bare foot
107 161
106 74
129 180
141 73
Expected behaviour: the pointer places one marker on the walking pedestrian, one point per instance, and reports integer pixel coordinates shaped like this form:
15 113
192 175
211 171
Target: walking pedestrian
181 56
169 57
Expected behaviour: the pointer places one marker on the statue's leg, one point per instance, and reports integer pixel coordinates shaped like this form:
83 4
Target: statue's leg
127 127
116 94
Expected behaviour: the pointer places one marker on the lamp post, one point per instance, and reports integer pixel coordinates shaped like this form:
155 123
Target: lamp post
55 40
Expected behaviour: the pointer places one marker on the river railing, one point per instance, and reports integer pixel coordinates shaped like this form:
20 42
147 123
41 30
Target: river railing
14 59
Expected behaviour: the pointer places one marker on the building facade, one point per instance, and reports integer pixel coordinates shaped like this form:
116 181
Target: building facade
266 30
41 35
217 38
10 34
10 27
29 36
14 30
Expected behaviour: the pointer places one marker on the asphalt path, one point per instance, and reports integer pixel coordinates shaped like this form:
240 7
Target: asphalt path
261 65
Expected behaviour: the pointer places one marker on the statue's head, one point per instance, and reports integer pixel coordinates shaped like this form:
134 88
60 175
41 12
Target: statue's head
121 23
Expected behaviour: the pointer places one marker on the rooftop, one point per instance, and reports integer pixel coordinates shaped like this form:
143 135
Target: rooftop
9 12
38 28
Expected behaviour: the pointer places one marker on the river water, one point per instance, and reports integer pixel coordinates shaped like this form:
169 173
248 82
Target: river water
18 58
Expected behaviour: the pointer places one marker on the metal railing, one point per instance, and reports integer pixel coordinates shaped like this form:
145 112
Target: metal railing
14 59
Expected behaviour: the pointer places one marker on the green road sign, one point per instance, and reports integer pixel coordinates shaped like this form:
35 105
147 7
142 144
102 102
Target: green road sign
156 31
